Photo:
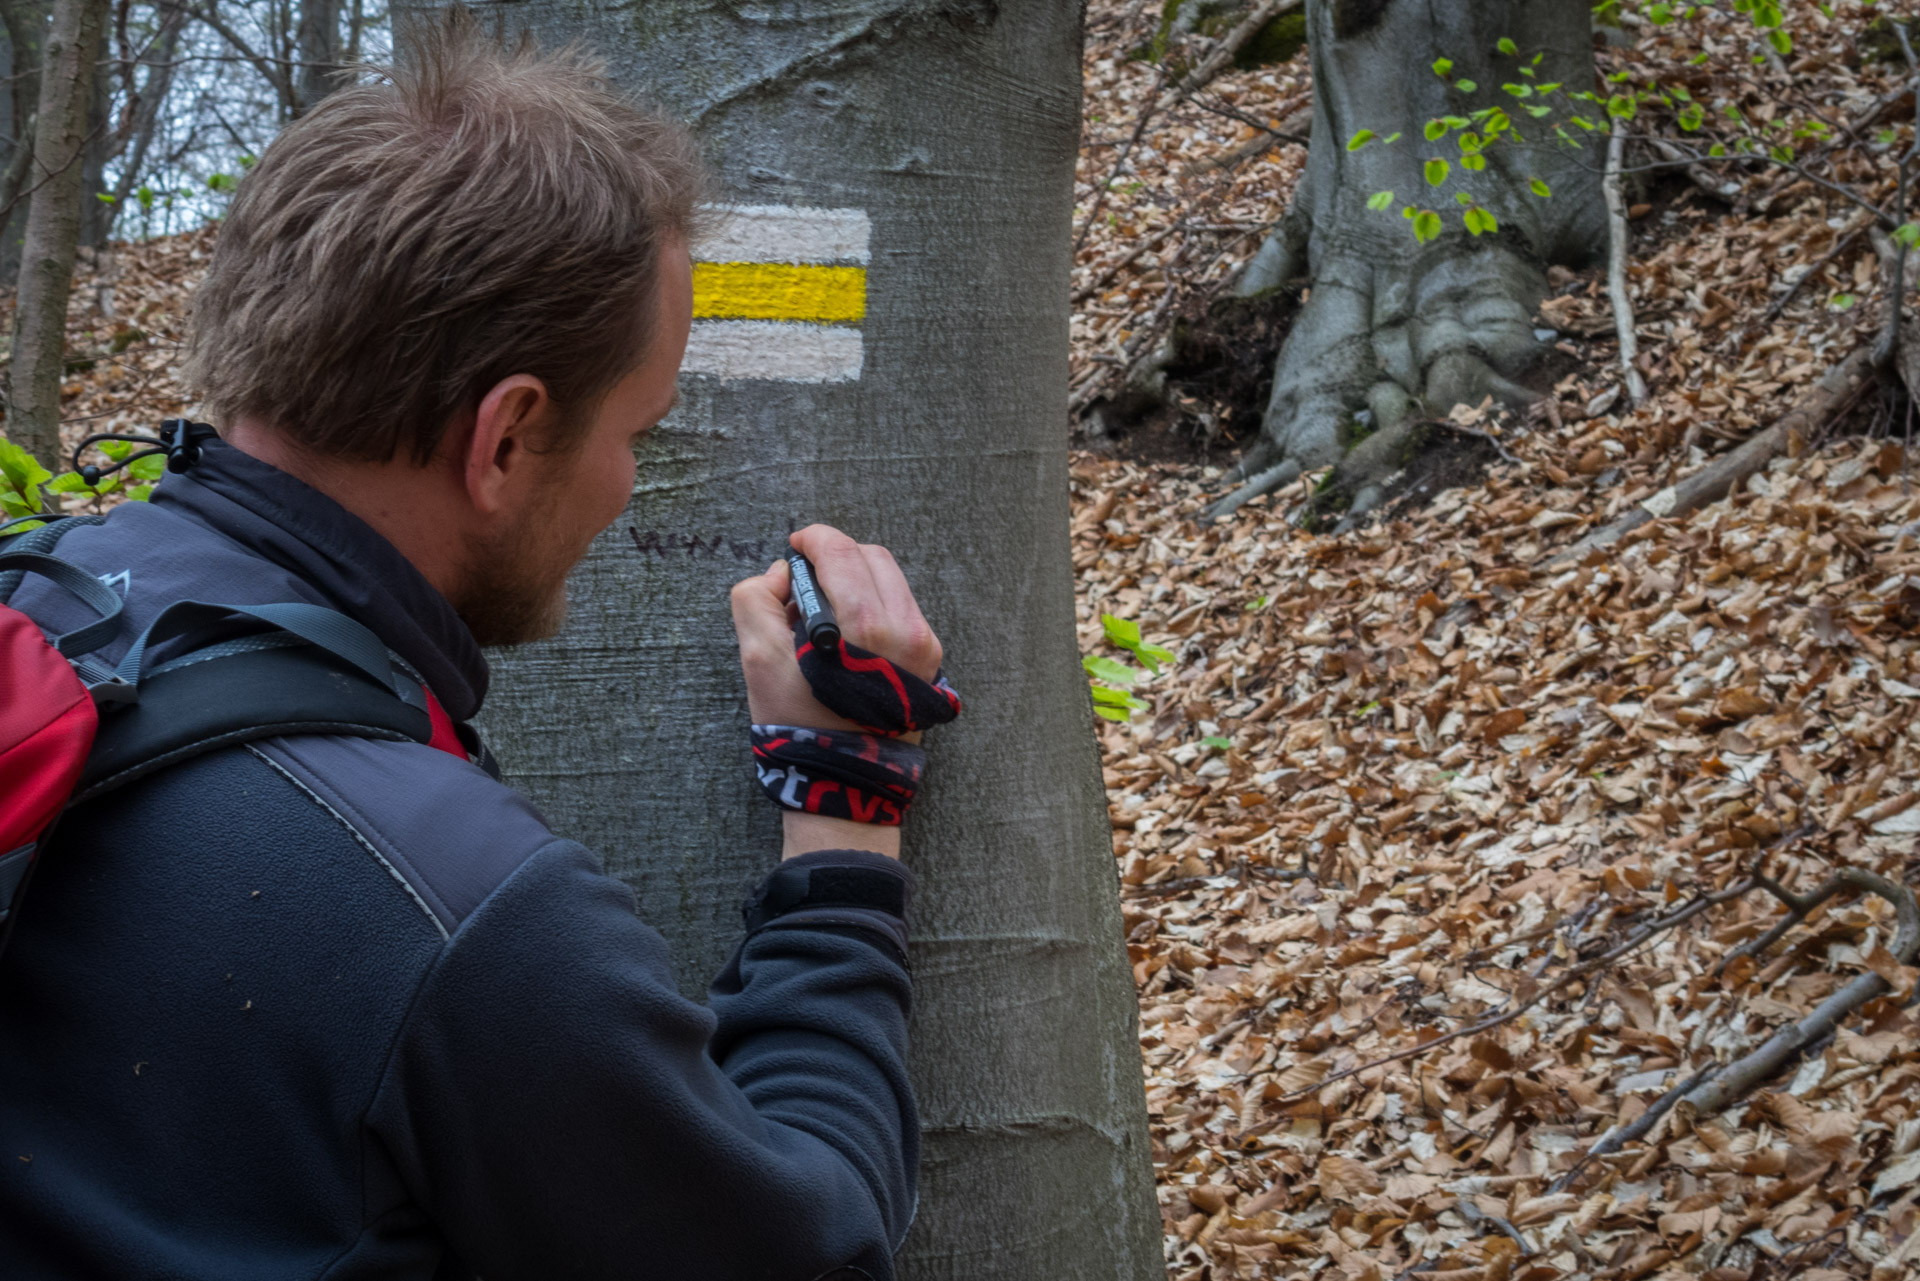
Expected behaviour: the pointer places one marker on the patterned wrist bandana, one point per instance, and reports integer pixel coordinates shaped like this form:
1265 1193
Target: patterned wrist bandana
872 692
839 773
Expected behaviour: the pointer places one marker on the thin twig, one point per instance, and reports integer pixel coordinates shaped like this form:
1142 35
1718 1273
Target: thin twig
1781 303
1638 939
1718 1086
1120 160
1617 266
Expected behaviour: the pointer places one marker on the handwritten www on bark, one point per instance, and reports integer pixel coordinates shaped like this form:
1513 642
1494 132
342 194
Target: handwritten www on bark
665 544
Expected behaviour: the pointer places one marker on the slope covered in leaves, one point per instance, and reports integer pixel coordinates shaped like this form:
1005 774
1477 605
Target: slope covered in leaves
1427 835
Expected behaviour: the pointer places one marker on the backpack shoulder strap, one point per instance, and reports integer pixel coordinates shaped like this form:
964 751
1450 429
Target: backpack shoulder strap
41 540
255 687
201 704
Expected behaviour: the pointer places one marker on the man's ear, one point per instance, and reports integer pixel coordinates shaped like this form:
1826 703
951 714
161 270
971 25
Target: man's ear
498 464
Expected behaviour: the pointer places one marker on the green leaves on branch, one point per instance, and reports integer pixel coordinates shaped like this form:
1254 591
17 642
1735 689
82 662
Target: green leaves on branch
1116 704
1437 171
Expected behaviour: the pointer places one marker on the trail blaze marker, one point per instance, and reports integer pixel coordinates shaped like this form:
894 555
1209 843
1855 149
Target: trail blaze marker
779 293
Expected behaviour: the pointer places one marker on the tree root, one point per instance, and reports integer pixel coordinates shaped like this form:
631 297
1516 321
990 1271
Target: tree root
1716 480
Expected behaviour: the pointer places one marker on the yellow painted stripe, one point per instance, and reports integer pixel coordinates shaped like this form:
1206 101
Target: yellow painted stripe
778 291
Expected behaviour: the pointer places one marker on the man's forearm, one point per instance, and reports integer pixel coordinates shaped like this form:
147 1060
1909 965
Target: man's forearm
808 832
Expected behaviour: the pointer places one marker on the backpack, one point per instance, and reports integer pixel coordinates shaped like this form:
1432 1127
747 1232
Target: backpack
73 728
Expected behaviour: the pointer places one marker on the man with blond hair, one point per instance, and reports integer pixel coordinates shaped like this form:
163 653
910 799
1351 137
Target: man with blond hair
333 1005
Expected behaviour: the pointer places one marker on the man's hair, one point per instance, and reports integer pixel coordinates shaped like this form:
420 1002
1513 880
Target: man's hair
478 211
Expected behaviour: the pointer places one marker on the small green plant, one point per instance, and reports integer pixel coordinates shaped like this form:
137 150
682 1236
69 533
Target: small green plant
1218 742
22 481
1113 681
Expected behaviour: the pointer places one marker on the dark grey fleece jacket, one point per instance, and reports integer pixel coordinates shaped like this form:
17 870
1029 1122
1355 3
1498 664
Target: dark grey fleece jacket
346 1008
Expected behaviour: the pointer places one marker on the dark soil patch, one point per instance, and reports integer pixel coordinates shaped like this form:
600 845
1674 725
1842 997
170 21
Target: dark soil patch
1443 458
1218 381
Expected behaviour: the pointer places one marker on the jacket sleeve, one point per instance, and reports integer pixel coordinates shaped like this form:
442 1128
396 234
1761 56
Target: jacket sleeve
561 1111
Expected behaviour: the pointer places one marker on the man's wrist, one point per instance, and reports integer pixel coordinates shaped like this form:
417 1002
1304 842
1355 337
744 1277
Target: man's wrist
806 833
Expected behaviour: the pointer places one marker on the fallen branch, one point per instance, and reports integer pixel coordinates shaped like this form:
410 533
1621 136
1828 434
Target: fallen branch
1120 161
1786 1045
1719 1086
1727 189
1646 933
1293 120
1785 300
1617 1137
1617 265
1221 56
1140 246
1714 481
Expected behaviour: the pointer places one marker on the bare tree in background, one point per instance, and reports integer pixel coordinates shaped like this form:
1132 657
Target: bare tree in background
53 226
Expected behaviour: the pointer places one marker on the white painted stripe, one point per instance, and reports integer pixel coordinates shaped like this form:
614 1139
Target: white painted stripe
783 233
740 349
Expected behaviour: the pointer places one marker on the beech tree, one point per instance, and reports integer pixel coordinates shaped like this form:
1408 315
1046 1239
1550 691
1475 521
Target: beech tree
52 226
881 344
1427 253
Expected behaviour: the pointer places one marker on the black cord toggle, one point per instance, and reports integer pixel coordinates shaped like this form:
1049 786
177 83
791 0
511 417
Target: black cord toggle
179 439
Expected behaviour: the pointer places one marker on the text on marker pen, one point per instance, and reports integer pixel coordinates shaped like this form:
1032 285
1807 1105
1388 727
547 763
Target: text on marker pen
816 613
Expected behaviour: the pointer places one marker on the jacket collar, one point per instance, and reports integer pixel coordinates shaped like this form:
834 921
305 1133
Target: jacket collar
288 522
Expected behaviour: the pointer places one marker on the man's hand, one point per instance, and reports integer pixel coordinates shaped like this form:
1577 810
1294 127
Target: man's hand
876 611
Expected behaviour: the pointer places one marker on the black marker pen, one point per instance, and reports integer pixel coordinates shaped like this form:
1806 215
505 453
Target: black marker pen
815 610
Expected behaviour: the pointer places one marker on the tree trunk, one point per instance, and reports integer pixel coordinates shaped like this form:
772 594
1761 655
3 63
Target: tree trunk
53 228
96 219
147 115
934 143
1395 330
26 22
317 45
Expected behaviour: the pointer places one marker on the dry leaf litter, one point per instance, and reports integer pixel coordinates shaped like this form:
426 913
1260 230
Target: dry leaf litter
1493 770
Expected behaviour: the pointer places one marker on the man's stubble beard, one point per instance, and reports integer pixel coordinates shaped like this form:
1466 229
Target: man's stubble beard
514 588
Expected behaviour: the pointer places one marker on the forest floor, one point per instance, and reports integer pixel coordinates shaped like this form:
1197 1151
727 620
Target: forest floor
1430 844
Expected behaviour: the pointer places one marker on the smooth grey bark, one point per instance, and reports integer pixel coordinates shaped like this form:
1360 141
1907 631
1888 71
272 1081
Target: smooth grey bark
96 219
53 228
1394 330
317 46
955 127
